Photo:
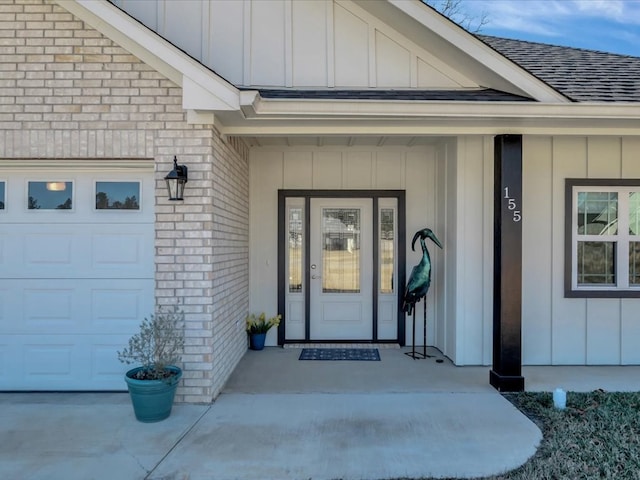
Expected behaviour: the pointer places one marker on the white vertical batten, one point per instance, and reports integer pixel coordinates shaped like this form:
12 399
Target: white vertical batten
161 15
205 40
487 248
246 67
413 72
331 57
288 43
373 80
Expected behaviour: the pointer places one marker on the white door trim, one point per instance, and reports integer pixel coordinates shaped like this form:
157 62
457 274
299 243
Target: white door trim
294 274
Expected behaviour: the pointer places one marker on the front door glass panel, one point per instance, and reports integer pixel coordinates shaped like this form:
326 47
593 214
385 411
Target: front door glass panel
340 250
387 249
295 237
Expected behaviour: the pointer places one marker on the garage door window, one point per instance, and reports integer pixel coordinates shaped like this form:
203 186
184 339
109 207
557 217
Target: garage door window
117 195
1 195
54 195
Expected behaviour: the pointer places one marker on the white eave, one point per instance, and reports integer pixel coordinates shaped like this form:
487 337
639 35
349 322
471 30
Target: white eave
202 88
409 117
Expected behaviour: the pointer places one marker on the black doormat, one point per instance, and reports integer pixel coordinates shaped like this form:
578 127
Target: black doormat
362 354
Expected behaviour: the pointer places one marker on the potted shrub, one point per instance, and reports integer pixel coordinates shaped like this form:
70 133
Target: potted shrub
257 328
155 349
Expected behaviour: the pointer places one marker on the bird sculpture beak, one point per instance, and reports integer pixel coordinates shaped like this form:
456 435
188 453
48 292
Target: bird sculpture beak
426 233
432 236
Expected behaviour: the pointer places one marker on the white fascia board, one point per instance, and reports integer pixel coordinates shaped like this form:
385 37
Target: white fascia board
197 97
158 53
282 108
441 127
490 58
298 117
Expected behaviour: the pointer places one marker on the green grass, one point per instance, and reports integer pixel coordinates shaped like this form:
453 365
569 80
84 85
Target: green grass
596 437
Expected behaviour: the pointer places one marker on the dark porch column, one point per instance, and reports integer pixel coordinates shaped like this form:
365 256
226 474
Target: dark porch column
506 374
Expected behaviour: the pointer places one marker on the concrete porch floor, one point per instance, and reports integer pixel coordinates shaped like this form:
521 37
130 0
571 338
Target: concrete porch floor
277 370
280 418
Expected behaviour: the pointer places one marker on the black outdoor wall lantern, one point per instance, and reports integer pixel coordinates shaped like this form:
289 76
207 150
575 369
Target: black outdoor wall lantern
176 179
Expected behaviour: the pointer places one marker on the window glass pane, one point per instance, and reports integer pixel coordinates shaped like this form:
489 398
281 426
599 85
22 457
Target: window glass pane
596 263
50 195
341 250
597 213
1 195
387 253
295 249
634 213
634 263
117 195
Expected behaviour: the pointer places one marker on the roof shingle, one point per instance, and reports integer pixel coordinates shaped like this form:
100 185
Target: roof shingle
581 75
471 95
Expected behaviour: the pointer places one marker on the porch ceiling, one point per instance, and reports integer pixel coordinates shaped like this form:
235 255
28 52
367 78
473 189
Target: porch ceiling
342 141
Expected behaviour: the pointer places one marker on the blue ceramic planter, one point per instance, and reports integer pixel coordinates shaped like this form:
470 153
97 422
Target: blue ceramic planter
256 341
152 399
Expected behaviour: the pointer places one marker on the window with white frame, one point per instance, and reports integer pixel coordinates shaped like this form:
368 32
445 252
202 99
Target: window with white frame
602 238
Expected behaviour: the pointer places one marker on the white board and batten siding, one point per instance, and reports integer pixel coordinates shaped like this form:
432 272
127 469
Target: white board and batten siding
299 44
558 330
555 330
74 284
308 168
468 270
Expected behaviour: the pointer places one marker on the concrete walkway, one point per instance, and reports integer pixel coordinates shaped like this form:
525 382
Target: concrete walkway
280 418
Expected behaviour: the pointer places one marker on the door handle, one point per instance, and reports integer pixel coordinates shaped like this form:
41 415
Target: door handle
314 277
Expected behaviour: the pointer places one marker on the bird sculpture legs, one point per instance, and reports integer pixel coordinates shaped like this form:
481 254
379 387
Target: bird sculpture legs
424 329
413 354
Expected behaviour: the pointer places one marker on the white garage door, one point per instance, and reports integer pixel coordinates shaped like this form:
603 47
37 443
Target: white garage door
76 272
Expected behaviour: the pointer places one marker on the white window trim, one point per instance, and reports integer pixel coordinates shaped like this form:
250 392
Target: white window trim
622 288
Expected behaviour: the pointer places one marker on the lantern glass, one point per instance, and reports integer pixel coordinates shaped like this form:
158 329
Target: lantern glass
176 188
176 180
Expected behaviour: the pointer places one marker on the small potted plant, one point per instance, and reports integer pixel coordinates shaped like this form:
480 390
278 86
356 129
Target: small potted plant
155 349
258 326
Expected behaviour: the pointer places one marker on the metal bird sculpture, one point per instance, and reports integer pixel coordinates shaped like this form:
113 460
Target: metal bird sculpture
420 277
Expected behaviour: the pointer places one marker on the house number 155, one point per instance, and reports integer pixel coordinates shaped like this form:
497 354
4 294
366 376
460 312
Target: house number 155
512 205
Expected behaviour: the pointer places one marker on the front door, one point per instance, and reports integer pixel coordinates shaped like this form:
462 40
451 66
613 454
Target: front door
341 269
341 255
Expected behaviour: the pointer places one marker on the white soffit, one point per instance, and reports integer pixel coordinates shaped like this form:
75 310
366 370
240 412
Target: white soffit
200 85
463 51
